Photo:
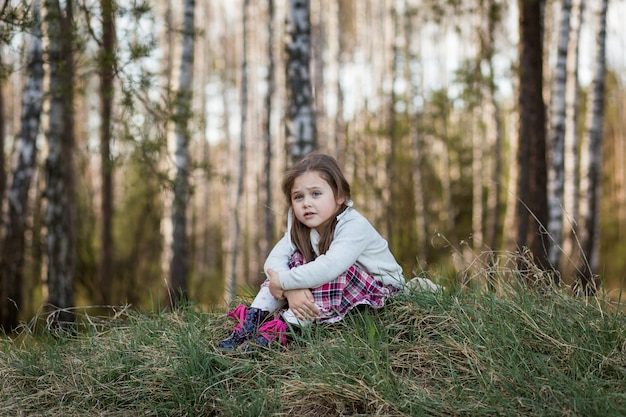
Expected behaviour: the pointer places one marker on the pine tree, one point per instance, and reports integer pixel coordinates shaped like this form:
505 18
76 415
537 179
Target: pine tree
531 212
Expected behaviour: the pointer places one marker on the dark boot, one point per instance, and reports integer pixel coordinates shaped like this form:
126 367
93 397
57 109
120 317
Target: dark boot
277 330
249 321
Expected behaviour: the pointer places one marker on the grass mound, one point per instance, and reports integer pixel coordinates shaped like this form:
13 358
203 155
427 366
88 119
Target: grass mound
468 353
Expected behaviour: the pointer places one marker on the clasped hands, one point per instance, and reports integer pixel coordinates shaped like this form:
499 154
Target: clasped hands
301 301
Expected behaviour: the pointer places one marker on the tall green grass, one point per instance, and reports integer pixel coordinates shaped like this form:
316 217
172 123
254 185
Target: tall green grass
460 352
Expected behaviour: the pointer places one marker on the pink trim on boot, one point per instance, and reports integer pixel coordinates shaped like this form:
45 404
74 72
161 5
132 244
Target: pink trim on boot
238 314
272 329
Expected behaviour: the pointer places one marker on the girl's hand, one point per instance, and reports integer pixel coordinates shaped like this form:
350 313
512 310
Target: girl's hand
301 303
275 289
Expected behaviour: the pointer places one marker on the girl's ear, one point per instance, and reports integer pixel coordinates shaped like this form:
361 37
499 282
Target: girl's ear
340 200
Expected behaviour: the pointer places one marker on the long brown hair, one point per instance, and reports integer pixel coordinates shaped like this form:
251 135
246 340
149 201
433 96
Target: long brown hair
329 170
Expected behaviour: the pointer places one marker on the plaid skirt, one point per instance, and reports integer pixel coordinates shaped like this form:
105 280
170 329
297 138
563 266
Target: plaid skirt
352 288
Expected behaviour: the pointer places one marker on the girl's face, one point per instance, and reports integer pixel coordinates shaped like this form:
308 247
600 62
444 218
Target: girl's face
313 201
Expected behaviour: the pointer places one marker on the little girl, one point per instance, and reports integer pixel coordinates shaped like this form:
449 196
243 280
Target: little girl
330 259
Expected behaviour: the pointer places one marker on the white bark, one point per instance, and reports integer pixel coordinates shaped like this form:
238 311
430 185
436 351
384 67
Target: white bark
572 137
556 139
591 170
301 116
12 257
179 265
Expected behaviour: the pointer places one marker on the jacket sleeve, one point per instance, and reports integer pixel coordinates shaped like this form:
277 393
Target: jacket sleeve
279 257
351 239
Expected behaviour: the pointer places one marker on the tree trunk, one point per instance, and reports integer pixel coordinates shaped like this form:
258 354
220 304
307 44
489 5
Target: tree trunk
236 218
416 150
179 267
556 172
205 239
3 177
478 168
512 196
532 197
60 187
340 123
269 236
571 188
166 85
301 132
391 210
13 247
492 15
107 64
317 66
591 176
449 211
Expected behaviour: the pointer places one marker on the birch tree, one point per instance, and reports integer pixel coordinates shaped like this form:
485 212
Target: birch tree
179 267
319 42
556 171
572 139
12 258
591 168
60 187
301 133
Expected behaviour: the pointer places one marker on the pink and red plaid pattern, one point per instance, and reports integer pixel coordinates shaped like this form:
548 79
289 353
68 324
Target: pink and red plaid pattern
354 287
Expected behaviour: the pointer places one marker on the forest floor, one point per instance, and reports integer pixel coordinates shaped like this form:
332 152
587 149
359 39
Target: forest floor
457 352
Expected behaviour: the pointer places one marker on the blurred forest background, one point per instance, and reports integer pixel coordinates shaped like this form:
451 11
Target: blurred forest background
144 141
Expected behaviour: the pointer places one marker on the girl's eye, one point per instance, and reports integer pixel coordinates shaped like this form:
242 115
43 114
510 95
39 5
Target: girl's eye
316 193
297 197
